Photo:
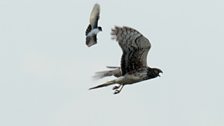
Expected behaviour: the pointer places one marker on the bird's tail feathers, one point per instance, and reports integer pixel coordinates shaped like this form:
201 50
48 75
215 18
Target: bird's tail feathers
101 74
113 67
108 83
91 40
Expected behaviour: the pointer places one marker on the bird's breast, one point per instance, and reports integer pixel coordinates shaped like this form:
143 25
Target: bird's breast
93 32
134 78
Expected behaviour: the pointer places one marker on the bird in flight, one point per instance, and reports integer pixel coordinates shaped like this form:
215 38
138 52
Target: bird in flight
93 28
133 68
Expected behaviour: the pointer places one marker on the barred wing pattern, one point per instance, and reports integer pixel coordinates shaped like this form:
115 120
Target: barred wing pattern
135 48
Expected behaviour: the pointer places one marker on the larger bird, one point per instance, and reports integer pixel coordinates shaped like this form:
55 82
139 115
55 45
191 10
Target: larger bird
93 28
134 68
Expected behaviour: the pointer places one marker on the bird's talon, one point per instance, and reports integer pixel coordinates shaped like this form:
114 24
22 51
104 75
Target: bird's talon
117 91
115 87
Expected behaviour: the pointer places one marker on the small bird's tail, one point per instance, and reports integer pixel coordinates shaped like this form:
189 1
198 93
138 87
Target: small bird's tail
115 72
108 83
91 40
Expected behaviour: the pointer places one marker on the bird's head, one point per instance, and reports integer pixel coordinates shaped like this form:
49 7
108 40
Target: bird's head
154 72
157 71
100 28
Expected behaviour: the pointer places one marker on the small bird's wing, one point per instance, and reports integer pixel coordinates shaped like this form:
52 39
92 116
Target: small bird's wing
135 48
91 40
94 16
88 29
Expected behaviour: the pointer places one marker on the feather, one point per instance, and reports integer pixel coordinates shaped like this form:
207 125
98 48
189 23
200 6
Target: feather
135 48
94 16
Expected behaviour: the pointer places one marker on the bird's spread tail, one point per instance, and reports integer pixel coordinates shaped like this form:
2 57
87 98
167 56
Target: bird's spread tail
102 74
114 72
91 40
108 83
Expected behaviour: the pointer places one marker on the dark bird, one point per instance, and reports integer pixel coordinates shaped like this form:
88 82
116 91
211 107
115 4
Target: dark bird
134 68
93 28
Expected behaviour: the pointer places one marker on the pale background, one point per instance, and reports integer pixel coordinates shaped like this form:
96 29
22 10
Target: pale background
46 68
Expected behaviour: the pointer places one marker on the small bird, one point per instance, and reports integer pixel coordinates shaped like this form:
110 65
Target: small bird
93 28
133 68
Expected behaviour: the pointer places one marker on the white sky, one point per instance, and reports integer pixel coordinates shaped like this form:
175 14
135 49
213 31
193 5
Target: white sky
46 68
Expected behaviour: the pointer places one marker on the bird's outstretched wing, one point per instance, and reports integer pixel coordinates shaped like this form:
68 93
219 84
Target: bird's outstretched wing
88 29
135 48
94 16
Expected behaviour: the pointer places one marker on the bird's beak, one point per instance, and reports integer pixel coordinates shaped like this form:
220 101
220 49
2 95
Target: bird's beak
160 72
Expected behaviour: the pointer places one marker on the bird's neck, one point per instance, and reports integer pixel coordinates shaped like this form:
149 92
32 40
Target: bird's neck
151 73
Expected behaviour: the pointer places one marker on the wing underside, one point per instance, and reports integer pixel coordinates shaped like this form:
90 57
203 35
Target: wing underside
94 16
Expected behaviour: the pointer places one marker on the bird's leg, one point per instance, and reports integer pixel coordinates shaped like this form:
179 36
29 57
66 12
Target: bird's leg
116 87
119 90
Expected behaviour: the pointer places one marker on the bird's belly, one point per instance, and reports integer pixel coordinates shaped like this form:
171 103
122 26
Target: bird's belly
131 79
